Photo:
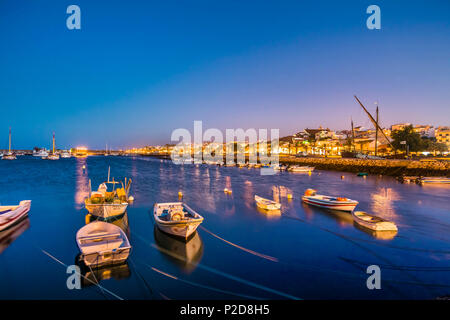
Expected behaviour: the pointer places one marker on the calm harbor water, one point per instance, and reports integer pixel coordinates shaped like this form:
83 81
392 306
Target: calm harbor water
239 251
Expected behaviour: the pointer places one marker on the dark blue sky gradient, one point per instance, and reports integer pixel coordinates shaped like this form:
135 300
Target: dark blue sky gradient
139 69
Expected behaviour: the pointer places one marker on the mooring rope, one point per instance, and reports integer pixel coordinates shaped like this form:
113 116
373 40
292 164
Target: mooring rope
65 265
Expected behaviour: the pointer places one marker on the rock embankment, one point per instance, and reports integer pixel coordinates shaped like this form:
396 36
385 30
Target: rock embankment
384 167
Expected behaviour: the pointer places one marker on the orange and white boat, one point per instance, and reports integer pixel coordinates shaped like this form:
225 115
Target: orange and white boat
328 202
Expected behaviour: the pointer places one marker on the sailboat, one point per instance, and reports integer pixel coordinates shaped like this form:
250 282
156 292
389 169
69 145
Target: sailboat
10 155
53 155
66 154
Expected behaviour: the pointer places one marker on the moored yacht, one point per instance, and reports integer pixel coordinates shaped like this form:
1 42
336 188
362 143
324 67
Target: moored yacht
40 153
9 155
65 154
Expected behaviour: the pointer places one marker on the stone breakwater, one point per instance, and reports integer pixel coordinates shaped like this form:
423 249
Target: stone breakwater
383 167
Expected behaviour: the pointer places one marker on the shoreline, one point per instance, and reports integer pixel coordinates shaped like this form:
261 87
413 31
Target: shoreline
389 167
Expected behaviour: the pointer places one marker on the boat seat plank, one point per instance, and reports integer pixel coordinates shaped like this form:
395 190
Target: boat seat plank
100 235
101 246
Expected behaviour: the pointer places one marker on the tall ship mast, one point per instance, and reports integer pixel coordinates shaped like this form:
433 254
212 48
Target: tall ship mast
10 155
53 155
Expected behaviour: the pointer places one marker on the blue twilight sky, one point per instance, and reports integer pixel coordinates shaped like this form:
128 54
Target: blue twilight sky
139 69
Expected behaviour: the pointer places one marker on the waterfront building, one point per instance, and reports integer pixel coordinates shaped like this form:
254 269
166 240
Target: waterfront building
426 131
400 126
443 135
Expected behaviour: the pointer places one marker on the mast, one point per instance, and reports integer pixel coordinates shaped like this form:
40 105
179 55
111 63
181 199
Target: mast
376 135
53 143
375 123
353 137
9 148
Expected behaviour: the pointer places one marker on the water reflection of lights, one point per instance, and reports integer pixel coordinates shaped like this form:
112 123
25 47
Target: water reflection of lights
248 196
280 192
82 188
383 203
228 182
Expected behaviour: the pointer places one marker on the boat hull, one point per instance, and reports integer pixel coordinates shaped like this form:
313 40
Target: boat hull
268 207
343 206
266 204
182 230
434 180
106 257
375 226
301 169
9 157
13 217
106 210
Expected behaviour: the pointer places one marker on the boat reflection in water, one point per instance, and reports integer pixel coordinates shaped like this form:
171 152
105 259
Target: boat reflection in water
94 275
12 233
381 235
270 214
185 255
344 219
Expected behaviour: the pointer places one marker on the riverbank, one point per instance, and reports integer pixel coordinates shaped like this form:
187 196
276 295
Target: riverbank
383 167
388 167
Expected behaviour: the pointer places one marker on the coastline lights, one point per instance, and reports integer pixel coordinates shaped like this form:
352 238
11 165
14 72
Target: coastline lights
81 152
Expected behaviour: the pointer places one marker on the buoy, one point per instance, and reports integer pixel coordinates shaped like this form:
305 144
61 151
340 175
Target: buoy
364 177
180 194
88 218
342 177
225 190
130 198
289 195
230 191
309 173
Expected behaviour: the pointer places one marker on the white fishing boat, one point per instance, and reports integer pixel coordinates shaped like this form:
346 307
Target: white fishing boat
102 243
107 204
335 203
433 180
176 218
373 222
10 215
65 154
300 169
278 167
9 155
42 153
267 204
